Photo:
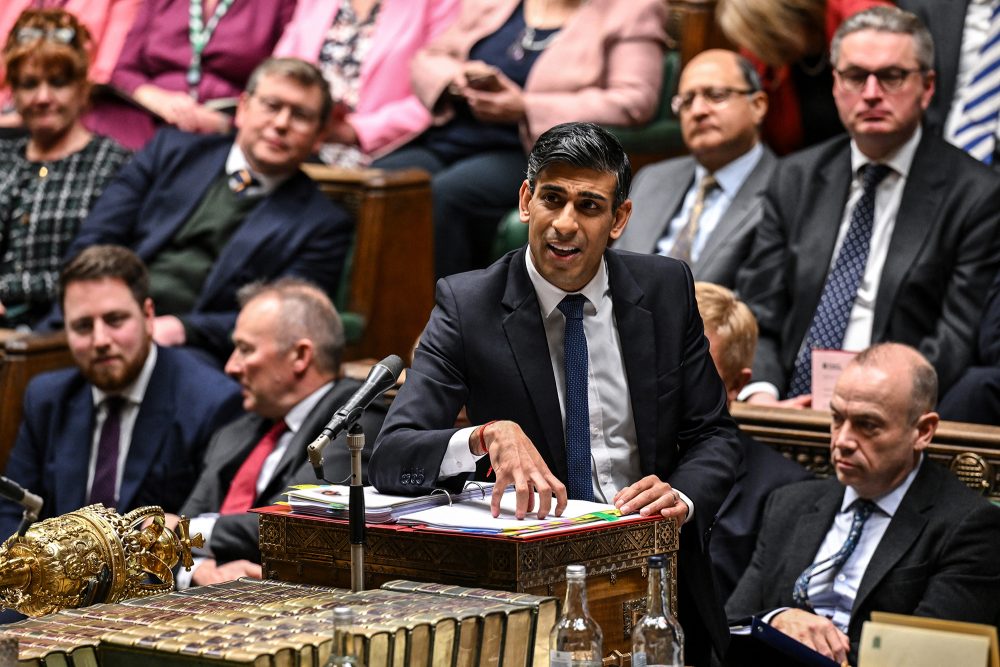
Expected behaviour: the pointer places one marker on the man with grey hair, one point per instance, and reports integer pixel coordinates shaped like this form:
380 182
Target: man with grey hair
209 214
887 234
288 343
703 208
893 532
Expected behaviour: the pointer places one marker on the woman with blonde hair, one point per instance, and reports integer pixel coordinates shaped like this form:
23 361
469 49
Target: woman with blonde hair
49 179
788 41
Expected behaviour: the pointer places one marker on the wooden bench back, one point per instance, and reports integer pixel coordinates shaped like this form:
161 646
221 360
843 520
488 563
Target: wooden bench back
392 276
971 451
22 358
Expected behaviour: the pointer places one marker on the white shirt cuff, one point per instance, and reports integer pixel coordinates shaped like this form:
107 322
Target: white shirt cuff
687 501
204 524
457 458
183 578
758 388
771 614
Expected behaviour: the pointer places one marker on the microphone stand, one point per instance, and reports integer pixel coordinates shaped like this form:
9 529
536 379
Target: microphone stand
356 511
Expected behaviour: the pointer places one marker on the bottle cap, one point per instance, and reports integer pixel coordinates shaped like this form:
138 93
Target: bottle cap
657 561
576 571
343 616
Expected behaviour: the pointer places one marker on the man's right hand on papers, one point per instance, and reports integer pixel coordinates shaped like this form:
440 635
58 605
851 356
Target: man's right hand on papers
516 461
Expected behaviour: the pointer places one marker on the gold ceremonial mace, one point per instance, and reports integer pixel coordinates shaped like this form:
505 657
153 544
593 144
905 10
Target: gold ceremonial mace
92 555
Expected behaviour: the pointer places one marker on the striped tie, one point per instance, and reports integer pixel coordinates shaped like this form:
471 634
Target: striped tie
976 131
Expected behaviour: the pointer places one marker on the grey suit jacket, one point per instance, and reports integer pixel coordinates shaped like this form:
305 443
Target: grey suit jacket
657 195
235 536
937 557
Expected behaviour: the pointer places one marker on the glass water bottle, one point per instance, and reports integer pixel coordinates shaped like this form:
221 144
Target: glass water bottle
657 639
576 639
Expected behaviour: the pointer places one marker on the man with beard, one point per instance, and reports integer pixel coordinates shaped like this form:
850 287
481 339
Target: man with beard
128 426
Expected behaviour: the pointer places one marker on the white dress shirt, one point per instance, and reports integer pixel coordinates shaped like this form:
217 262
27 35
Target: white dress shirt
730 179
888 197
133 395
614 451
832 593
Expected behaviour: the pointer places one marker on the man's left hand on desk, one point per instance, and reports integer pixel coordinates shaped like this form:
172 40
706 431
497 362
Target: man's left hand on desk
651 495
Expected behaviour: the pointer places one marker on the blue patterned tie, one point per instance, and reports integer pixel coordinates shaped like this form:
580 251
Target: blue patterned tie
976 129
580 486
800 593
834 310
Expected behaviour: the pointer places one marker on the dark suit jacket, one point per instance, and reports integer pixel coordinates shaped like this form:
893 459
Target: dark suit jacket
485 348
942 256
185 402
937 557
946 21
235 536
296 231
734 534
657 194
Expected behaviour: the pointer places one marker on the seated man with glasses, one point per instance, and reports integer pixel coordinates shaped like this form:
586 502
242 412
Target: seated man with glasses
887 234
703 208
209 214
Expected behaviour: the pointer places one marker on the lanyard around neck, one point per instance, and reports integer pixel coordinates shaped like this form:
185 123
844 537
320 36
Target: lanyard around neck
199 33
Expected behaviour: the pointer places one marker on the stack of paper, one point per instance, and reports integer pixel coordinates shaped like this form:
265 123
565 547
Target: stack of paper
332 500
475 516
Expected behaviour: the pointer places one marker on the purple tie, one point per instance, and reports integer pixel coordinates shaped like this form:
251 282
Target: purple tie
106 471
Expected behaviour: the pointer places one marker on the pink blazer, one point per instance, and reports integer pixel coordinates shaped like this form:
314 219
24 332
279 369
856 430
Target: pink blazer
388 114
605 65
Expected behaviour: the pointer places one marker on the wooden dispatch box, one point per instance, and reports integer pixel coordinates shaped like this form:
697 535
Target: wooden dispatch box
311 550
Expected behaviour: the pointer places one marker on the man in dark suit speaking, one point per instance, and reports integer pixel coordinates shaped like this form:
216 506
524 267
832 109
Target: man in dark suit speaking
893 532
585 370
888 234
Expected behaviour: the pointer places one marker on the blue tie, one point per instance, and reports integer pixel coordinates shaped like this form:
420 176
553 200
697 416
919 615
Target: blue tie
834 310
581 486
800 593
976 129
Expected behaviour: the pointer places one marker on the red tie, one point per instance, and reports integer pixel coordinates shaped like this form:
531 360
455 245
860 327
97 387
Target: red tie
243 488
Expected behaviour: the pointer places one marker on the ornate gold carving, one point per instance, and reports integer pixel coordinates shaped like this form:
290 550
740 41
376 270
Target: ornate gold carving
91 555
632 611
973 470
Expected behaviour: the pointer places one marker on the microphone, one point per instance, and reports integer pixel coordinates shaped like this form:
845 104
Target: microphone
31 503
381 377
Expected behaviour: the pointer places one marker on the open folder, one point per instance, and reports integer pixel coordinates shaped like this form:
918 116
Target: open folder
467 512
757 643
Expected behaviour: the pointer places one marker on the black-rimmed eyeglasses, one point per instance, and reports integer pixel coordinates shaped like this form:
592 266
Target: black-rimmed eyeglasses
889 79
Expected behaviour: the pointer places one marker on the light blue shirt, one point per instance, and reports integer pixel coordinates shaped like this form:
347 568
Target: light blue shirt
833 592
730 179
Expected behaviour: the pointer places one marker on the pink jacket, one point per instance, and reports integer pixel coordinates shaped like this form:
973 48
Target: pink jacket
388 114
605 65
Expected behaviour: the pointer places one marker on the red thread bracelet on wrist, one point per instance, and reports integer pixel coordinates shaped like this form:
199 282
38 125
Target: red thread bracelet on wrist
482 437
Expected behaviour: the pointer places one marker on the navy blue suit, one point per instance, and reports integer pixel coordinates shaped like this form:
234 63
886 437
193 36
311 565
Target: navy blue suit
185 402
734 534
485 348
295 231
976 396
